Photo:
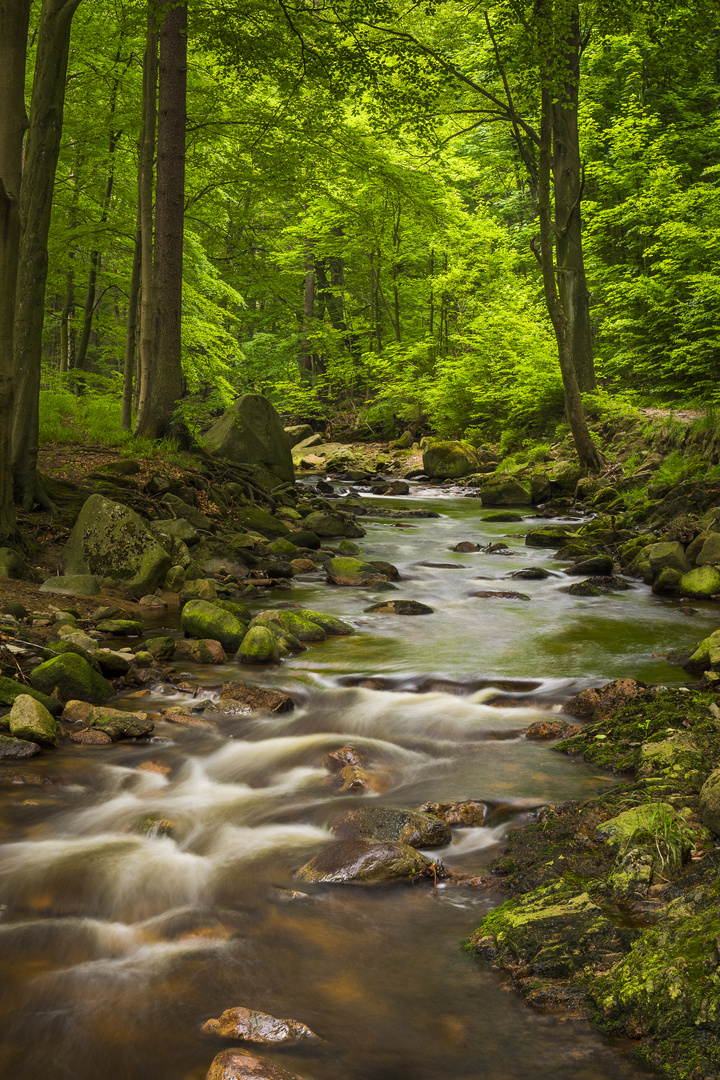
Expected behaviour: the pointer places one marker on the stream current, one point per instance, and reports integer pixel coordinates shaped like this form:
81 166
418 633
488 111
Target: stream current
116 947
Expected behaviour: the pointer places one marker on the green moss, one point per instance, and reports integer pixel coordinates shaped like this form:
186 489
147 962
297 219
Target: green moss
9 690
202 619
329 623
72 677
259 647
300 626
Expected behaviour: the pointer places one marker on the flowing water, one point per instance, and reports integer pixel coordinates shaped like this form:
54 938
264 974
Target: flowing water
115 947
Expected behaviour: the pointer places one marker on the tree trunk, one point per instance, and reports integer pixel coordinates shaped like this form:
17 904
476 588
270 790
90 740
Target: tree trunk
568 182
145 202
306 359
14 17
95 256
165 381
131 327
587 452
41 155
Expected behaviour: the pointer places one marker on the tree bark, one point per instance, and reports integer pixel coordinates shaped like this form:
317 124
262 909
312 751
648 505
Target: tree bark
164 378
588 454
568 183
41 155
306 358
14 17
145 202
131 330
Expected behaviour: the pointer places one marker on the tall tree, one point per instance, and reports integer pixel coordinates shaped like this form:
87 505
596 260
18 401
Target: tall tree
14 17
38 181
164 380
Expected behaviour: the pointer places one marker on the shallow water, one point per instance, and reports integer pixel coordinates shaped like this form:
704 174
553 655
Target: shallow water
114 948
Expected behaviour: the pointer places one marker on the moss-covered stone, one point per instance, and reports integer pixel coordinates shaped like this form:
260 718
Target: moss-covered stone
114 544
670 554
259 520
354 573
251 432
72 585
201 619
72 677
325 524
16 749
240 611
120 627
283 547
120 725
30 720
549 536
259 647
364 862
10 690
701 583
161 648
505 491
449 460
198 589
332 626
174 579
300 626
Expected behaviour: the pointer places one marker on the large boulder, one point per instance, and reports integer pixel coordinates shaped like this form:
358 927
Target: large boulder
72 677
710 802
353 572
505 491
30 720
671 554
13 565
118 724
115 545
364 862
259 646
10 690
710 551
411 827
251 432
325 524
297 433
449 460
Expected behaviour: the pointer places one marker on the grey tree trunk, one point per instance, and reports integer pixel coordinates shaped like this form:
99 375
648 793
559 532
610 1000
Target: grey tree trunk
145 201
588 454
164 386
41 155
306 358
568 182
131 330
14 16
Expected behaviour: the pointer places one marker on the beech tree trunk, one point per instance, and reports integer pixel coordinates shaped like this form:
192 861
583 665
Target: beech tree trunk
588 454
568 183
131 330
164 386
14 17
41 155
306 358
145 203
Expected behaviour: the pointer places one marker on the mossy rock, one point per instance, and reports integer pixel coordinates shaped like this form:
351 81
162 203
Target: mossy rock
13 566
670 554
259 647
120 725
198 589
352 572
240 611
252 433
72 585
283 547
30 720
549 536
114 544
503 516
701 583
286 642
72 677
120 627
259 520
505 491
161 648
300 626
329 623
325 524
10 690
16 749
449 460
400 607
202 619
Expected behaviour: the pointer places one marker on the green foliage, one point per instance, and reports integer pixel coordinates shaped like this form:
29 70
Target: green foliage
93 418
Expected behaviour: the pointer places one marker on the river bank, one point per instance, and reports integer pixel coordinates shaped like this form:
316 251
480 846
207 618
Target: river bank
165 858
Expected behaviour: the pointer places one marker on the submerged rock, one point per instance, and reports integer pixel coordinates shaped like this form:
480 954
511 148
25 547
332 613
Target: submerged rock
237 1065
256 1027
411 827
364 862
499 594
344 755
400 607
468 813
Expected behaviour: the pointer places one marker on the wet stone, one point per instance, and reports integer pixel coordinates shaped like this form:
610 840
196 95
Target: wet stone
469 813
531 573
90 737
16 749
546 729
237 1065
499 594
603 702
248 1025
400 607
120 725
257 697
345 755
200 651
366 862
466 545
411 827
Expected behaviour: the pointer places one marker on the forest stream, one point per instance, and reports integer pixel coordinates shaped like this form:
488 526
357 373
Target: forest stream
116 947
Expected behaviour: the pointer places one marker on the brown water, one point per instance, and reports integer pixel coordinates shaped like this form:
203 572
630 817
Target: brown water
114 948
